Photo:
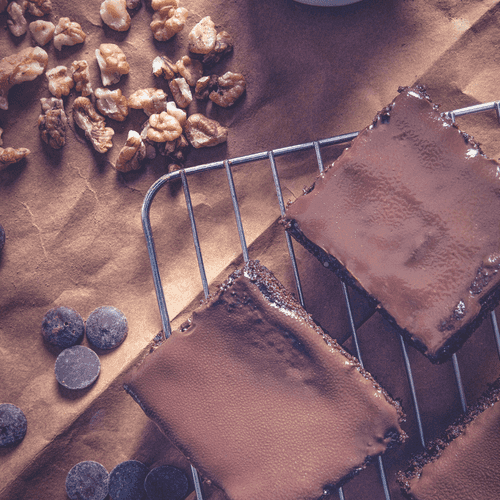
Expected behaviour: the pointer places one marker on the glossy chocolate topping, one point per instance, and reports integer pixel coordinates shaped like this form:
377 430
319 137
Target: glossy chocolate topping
260 400
411 211
465 465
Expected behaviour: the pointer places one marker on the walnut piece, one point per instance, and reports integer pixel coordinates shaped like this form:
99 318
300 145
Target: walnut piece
11 155
114 14
167 22
112 103
93 124
24 66
231 87
223 46
60 82
81 77
178 114
149 151
68 33
131 153
202 131
112 62
52 122
17 22
151 100
159 4
204 86
190 69
39 7
202 37
163 66
180 92
42 31
163 127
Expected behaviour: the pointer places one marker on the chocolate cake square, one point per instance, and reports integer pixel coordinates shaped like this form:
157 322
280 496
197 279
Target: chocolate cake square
464 464
409 214
260 400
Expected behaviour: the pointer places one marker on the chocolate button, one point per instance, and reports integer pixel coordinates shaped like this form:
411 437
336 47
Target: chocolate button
87 481
13 425
77 367
166 483
126 481
63 327
106 327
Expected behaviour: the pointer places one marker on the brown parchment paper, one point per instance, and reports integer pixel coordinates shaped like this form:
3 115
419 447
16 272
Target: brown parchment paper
74 234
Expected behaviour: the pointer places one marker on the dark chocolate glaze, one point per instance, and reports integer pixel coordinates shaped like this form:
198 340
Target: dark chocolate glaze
409 214
260 400
464 463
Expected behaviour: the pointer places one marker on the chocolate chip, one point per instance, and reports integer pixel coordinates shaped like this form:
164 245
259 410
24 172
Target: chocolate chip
126 481
2 237
13 425
87 481
63 327
166 483
77 367
106 327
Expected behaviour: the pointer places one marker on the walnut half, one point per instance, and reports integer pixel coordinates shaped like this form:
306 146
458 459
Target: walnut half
167 22
112 62
60 83
133 150
93 124
68 33
11 155
231 87
112 103
114 14
202 131
52 123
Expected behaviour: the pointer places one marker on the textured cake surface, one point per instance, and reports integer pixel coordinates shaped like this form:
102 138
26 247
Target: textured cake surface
410 214
260 400
465 464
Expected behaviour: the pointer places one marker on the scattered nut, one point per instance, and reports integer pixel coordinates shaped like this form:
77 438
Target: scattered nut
202 131
159 4
202 36
68 33
131 153
93 124
223 46
151 100
180 92
162 65
178 114
52 122
24 66
163 127
81 77
60 83
39 7
42 31
114 14
112 103
17 22
112 62
231 87
167 22
190 69
204 86
11 155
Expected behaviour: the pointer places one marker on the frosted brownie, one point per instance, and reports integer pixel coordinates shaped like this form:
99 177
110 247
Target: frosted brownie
260 400
465 463
409 214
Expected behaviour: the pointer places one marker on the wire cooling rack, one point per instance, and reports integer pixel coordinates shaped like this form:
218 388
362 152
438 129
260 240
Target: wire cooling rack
270 156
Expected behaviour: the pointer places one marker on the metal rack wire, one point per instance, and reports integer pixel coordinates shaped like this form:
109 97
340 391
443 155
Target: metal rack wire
270 157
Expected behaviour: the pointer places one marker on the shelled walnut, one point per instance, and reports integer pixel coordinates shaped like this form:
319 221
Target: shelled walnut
163 66
204 86
202 37
112 103
17 22
24 66
39 7
81 76
112 62
167 22
180 92
223 46
150 100
178 114
52 122
93 124
163 127
10 155
231 87
159 4
131 153
202 131
42 31
190 69
60 82
114 14
68 32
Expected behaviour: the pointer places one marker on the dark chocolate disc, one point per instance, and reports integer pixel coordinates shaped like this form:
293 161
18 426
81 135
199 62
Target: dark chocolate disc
2 237
107 327
126 481
13 425
87 481
166 483
63 327
77 367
